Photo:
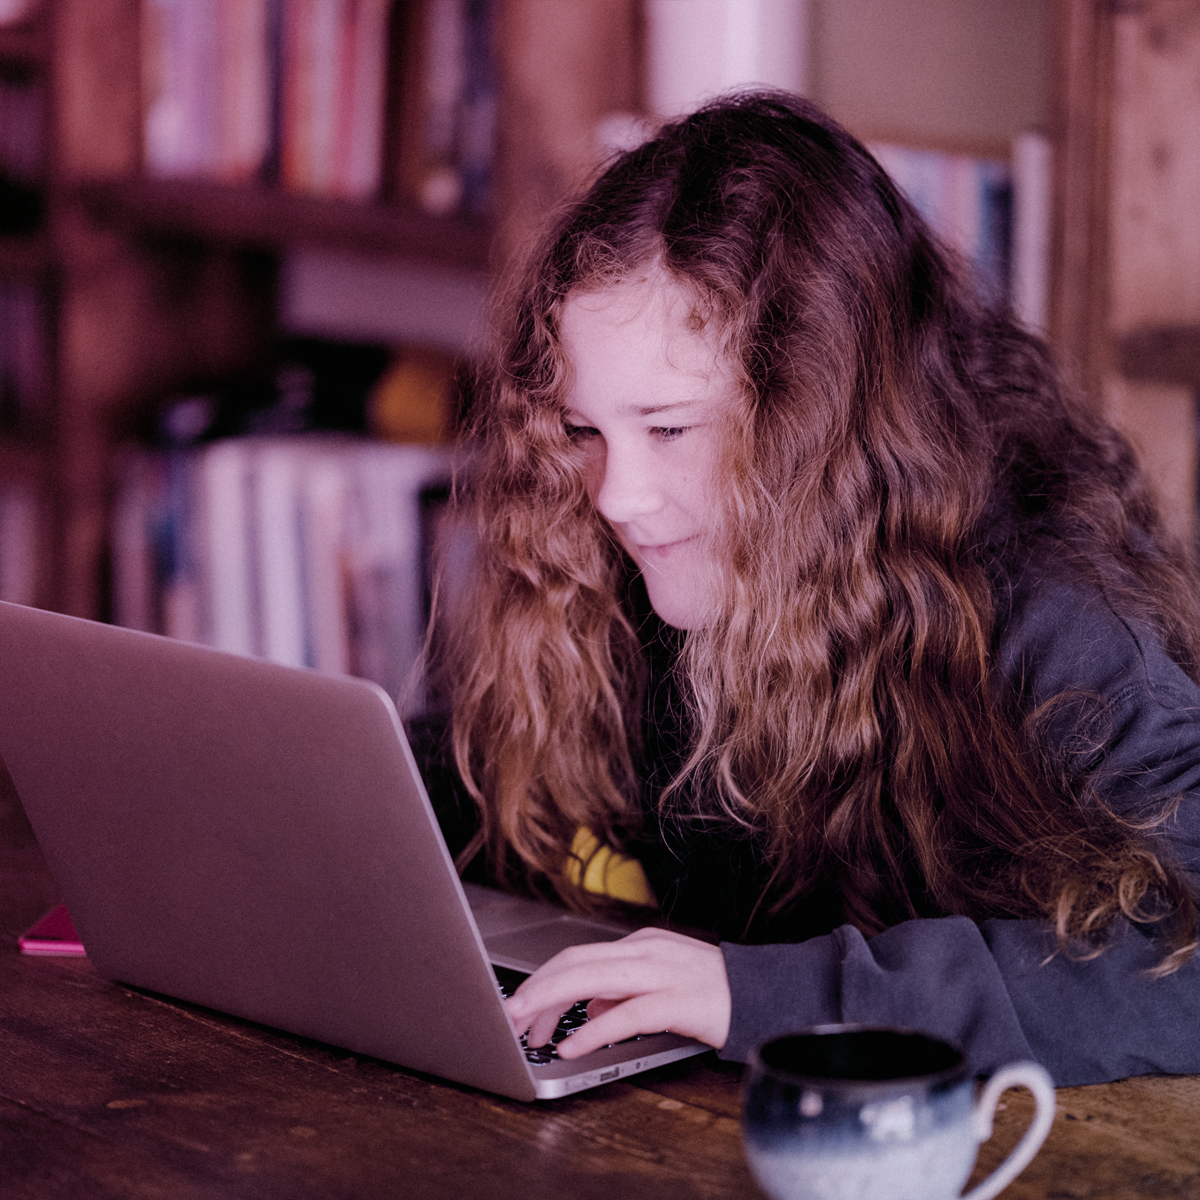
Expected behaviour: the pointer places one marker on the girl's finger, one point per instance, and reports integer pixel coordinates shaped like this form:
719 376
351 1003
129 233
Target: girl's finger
641 1014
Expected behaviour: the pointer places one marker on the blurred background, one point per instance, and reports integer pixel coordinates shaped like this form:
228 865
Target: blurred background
246 248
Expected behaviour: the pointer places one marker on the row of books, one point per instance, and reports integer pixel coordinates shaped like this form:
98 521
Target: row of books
967 200
310 551
996 213
243 90
23 355
296 92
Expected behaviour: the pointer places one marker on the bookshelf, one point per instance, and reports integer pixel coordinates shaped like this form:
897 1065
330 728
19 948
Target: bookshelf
155 286
158 285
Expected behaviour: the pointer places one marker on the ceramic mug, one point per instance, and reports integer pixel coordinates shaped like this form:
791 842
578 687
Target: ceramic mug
850 1112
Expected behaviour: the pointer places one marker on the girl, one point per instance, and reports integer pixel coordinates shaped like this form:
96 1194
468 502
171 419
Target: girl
812 608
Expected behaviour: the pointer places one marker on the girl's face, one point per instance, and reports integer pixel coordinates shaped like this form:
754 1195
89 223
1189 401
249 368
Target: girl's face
648 398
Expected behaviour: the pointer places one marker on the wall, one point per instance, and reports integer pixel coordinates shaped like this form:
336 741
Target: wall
952 74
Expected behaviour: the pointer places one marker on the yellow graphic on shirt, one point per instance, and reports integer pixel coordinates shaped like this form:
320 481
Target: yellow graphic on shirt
608 873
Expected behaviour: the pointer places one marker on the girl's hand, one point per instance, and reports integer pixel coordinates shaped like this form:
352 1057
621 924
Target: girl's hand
647 982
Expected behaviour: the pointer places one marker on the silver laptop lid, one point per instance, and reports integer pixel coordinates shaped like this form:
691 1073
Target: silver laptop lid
251 838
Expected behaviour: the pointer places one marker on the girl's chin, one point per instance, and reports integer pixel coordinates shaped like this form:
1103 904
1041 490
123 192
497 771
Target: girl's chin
682 608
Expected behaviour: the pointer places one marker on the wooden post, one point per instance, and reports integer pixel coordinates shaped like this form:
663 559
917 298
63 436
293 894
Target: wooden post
1127 232
1154 237
562 67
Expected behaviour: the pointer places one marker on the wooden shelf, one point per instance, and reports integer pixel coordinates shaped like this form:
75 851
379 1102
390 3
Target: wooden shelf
1170 354
24 46
259 216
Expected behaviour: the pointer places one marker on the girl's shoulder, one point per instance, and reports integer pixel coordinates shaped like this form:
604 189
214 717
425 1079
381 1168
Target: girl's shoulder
1097 674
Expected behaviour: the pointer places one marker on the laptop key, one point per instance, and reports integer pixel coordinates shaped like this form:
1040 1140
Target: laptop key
575 1017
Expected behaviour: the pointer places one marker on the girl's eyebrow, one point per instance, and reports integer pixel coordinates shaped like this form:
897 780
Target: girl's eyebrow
650 410
646 410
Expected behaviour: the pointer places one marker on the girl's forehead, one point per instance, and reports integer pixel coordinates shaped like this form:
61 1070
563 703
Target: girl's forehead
648 314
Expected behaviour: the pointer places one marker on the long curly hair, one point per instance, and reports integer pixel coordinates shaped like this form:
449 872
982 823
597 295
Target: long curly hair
843 703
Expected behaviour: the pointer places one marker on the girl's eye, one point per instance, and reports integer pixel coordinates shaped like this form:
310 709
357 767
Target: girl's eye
580 433
668 433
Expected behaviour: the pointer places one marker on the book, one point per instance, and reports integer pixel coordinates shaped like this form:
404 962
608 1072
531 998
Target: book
22 121
20 521
458 103
1033 195
53 934
221 530
24 356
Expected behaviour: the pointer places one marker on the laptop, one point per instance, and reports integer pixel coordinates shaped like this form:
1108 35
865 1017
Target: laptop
257 839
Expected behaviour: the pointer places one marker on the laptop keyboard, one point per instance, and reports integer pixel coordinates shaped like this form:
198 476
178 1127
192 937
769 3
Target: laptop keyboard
575 1016
509 980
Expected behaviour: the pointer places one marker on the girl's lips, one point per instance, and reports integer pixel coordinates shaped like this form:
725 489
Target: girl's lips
660 548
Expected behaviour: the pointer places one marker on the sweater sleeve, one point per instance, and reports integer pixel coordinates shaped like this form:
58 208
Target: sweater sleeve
1001 989
992 989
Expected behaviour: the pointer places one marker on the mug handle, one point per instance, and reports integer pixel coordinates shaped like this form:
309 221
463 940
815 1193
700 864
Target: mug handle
1018 1074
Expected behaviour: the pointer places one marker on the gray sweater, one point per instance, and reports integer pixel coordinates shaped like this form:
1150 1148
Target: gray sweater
998 988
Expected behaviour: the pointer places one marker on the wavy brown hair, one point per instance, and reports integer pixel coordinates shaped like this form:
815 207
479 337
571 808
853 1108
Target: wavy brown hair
843 703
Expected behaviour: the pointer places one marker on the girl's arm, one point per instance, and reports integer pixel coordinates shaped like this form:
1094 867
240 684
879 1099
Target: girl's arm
989 988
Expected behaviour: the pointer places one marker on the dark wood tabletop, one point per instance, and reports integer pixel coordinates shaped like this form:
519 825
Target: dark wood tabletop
110 1092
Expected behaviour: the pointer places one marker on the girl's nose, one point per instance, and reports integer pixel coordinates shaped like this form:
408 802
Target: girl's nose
629 488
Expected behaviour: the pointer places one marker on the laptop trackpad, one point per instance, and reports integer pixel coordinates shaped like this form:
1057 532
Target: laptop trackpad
526 949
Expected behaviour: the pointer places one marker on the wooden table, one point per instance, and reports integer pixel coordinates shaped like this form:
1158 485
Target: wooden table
108 1092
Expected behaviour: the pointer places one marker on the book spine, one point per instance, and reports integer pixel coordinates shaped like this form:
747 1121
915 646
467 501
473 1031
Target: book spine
360 149
959 204
993 255
24 381
443 80
223 547
329 37
135 604
274 46
314 35
181 83
180 599
324 504
22 137
19 519
245 89
478 133
280 564
389 571
296 68
1033 189
162 100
